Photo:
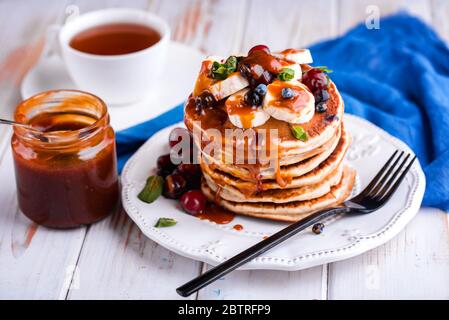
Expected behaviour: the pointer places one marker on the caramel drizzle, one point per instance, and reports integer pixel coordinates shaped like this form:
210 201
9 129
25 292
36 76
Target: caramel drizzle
281 180
217 194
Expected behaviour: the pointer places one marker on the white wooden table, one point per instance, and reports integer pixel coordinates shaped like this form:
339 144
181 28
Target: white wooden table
113 260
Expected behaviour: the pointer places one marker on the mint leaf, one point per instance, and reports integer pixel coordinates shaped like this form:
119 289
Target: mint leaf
299 133
221 71
152 189
165 222
231 64
286 74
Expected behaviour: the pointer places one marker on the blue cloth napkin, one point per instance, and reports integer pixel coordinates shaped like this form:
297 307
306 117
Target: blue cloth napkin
130 139
396 77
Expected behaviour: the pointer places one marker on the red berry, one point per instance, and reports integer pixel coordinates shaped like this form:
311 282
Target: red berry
315 79
193 202
189 169
176 136
164 165
192 173
174 186
259 47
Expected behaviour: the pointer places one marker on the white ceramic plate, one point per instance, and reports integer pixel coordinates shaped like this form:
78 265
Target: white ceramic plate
175 85
342 238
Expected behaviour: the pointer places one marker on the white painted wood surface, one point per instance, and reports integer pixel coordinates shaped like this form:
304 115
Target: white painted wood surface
112 260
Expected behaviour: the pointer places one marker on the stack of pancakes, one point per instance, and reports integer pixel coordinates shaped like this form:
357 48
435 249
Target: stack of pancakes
311 175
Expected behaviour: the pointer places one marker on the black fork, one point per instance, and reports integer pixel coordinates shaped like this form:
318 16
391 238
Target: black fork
373 197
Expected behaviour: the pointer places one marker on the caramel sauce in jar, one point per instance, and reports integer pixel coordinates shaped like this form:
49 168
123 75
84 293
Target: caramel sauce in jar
66 168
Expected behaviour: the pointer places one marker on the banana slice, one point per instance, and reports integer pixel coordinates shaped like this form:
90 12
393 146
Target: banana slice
300 56
300 108
232 84
219 89
241 114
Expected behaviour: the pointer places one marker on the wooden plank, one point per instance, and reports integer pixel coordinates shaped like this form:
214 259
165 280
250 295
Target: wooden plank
440 14
215 27
21 48
280 25
117 261
415 264
86 5
268 284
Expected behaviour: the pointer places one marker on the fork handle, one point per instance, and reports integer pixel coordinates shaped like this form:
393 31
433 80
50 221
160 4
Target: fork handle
254 251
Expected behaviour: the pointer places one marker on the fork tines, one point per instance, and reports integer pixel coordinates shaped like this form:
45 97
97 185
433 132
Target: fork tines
390 176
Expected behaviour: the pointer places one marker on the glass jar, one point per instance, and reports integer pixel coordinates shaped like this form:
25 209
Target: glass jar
66 165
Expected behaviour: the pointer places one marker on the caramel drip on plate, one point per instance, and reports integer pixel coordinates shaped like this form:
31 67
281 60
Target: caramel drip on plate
217 214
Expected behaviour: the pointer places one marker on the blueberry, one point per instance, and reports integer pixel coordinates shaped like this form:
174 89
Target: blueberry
321 96
261 90
321 107
287 93
252 98
318 228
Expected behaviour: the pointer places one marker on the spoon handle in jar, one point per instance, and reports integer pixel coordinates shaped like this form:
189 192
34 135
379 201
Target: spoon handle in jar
13 123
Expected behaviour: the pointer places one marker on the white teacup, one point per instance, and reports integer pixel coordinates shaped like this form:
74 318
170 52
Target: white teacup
118 79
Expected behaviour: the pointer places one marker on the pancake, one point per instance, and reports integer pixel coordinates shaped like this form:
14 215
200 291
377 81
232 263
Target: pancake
313 177
308 192
253 174
286 157
291 211
320 129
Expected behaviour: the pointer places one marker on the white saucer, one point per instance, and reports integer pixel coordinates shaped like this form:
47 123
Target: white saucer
174 87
